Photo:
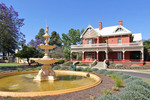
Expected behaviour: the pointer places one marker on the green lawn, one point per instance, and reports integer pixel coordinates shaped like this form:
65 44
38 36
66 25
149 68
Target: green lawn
9 64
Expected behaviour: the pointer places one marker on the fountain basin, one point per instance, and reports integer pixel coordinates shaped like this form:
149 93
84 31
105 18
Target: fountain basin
96 79
45 61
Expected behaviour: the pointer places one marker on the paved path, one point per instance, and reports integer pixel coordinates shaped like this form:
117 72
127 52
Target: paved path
134 73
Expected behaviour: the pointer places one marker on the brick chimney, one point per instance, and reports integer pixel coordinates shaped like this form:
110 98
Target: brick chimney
100 25
120 22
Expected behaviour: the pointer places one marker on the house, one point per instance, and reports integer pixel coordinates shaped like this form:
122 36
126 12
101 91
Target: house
113 43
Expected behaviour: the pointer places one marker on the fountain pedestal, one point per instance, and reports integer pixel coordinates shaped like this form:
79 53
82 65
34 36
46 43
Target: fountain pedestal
46 73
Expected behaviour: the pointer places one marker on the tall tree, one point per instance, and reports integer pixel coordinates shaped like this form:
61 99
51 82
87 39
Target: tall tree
147 49
40 35
71 38
55 39
10 34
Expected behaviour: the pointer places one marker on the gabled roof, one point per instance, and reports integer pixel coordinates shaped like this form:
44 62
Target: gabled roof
89 34
137 37
109 31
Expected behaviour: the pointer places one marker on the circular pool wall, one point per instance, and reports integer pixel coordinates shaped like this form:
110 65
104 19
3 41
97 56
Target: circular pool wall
78 75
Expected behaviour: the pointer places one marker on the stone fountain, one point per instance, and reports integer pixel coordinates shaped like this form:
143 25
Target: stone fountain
46 73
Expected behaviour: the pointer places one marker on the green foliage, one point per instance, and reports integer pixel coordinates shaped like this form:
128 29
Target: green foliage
105 91
83 64
118 65
108 72
115 88
140 82
79 69
68 63
60 62
131 95
118 80
94 69
33 69
19 69
108 97
135 66
40 35
138 88
56 67
57 53
55 39
29 52
72 67
27 69
101 71
64 68
110 62
84 69
130 79
88 70
146 66
39 68
124 76
66 53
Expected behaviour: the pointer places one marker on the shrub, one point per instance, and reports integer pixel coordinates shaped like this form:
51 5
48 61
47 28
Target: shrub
131 95
108 97
119 73
135 66
60 62
101 71
146 66
118 65
117 79
94 69
68 63
130 79
27 69
84 69
112 65
33 69
39 68
64 68
83 64
138 88
124 76
19 69
115 88
79 69
140 82
89 70
105 91
108 72
110 62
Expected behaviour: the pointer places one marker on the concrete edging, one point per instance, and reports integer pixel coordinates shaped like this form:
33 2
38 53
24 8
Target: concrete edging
45 93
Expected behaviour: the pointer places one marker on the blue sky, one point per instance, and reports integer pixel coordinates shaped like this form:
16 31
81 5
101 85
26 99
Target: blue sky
62 15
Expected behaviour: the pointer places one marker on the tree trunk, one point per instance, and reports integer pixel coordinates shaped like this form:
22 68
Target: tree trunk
28 62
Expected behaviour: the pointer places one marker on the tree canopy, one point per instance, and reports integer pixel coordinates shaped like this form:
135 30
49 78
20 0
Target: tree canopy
40 35
55 39
10 34
29 52
147 49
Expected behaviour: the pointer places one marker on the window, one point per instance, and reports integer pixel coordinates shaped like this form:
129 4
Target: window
89 41
119 30
119 55
93 55
119 40
89 55
93 41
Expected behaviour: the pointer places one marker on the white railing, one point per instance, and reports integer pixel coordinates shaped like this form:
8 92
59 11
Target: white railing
108 45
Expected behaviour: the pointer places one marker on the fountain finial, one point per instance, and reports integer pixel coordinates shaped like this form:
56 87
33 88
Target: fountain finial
47 29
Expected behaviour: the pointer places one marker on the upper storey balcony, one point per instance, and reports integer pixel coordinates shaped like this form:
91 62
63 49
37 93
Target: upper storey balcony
133 46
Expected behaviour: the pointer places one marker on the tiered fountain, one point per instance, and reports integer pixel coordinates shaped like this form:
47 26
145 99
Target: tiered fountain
46 73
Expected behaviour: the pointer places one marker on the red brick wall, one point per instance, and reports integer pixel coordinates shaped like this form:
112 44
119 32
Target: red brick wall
114 40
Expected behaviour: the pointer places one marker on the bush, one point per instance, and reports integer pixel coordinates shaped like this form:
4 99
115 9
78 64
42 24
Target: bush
146 66
79 69
124 76
88 70
56 67
64 68
110 62
140 82
60 62
39 68
135 66
108 72
94 69
117 79
138 88
130 79
27 69
84 69
119 73
83 64
115 88
33 69
118 65
19 69
108 97
68 63
105 91
131 95
101 71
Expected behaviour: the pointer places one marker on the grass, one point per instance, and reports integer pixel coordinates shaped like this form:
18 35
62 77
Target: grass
146 80
118 80
105 91
9 64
